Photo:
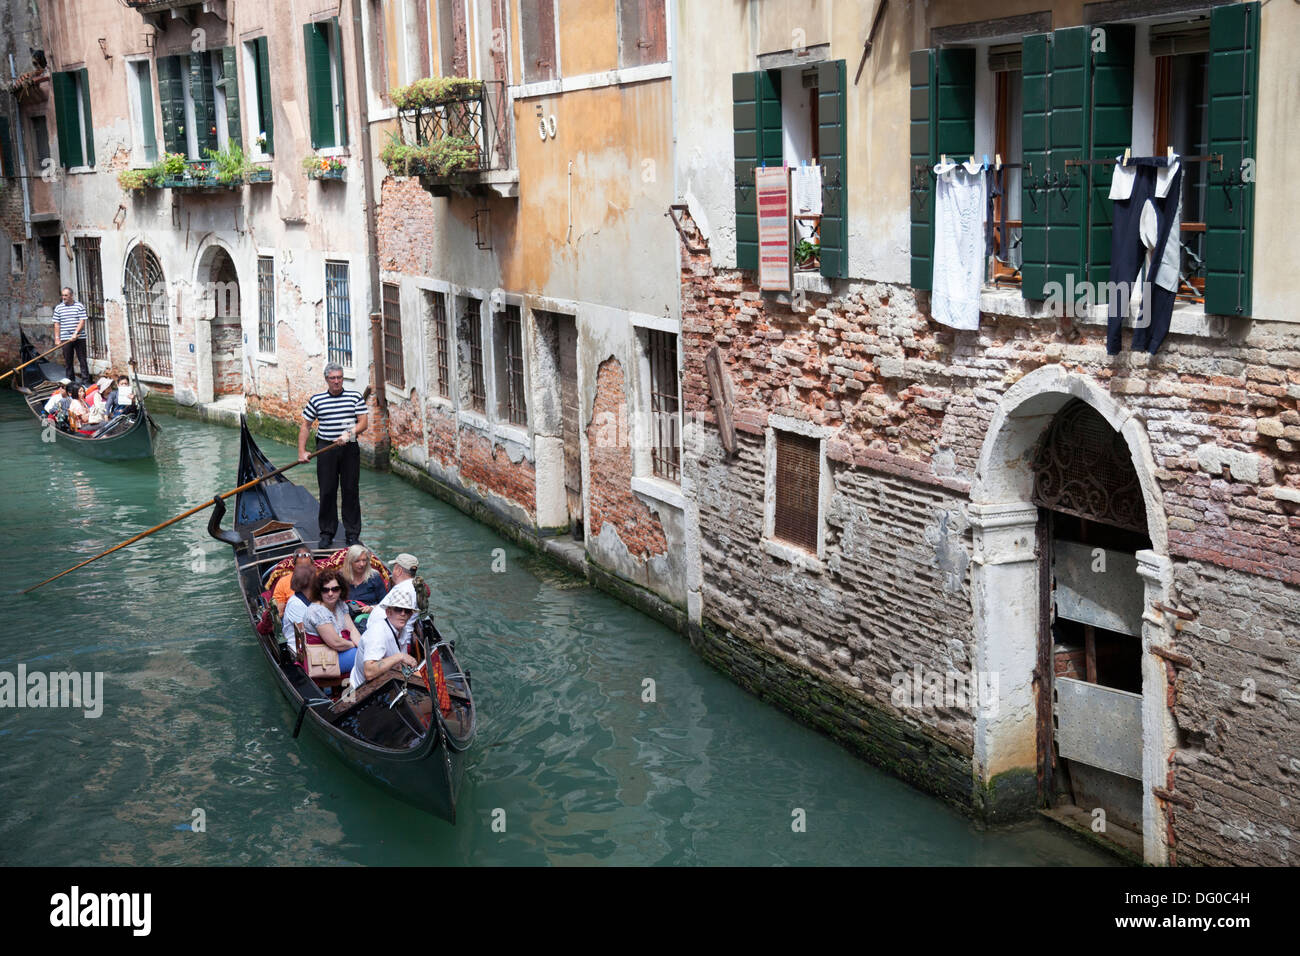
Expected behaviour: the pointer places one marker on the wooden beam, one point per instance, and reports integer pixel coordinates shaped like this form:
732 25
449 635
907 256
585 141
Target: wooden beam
720 390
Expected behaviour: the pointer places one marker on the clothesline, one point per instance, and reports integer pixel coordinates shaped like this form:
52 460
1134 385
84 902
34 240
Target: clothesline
1210 158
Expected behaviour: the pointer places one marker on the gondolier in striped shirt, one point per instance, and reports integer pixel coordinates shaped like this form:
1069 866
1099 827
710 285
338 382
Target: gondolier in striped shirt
70 332
337 412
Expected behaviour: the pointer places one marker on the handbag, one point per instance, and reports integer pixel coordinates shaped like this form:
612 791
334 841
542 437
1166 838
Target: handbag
322 662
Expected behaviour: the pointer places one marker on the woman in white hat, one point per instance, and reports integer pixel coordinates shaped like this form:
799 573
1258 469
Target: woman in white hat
378 653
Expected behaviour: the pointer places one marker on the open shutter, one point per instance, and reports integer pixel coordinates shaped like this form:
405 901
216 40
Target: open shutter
148 129
954 102
756 125
1036 73
320 93
922 154
831 151
341 86
1230 198
1112 132
88 129
65 117
205 106
230 83
171 100
264 94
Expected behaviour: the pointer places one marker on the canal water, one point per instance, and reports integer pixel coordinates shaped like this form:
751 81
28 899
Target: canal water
192 760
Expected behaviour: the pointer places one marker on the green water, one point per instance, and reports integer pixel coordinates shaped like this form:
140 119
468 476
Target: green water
585 772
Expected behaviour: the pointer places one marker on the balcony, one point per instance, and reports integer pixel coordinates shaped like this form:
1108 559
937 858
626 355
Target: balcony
161 11
455 136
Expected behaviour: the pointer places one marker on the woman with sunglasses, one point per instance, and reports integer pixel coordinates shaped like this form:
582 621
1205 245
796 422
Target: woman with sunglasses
328 621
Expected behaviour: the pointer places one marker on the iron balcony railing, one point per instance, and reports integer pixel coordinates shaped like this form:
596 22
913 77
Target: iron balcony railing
482 119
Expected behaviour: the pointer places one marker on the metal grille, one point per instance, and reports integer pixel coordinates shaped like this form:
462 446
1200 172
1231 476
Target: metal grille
338 313
1083 467
516 406
440 336
145 292
480 118
473 323
266 304
90 279
666 453
798 474
393 370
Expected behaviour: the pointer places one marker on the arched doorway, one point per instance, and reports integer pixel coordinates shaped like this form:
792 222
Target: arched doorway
145 291
227 330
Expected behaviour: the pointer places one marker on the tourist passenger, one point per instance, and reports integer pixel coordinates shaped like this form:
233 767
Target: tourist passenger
379 650
404 567
57 397
125 401
327 620
96 410
76 408
365 583
284 587
295 609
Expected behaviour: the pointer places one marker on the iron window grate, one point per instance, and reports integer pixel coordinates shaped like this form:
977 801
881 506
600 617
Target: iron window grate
440 335
473 322
266 305
394 372
665 455
516 406
90 278
145 292
798 481
338 313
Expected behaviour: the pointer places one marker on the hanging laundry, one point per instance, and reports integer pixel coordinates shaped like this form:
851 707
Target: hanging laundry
1144 240
772 187
959 206
807 199
994 230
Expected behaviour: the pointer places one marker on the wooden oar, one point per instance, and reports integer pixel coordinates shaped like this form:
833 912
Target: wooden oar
195 510
30 361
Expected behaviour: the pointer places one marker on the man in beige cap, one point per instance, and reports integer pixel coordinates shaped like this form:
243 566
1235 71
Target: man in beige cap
404 567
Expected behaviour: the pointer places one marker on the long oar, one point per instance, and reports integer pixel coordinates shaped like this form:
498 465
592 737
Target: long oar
30 361
195 510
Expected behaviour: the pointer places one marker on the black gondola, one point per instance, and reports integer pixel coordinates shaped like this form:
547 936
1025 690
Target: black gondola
124 438
390 730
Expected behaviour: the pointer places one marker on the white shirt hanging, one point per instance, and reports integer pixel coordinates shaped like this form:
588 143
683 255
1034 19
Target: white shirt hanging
959 208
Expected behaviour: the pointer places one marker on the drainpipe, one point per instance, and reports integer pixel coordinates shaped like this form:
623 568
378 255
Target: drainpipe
382 440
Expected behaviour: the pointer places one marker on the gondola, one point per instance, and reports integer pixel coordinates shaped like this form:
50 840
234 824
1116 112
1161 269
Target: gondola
390 730
122 439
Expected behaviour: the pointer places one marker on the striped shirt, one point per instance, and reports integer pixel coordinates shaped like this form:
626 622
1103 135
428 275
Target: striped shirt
334 414
68 316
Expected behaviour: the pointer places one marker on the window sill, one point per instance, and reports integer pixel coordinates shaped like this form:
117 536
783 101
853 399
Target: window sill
266 359
1189 318
812 282
513 433
660 490
592 81
794 555
396 394
476 421
442 403
79 170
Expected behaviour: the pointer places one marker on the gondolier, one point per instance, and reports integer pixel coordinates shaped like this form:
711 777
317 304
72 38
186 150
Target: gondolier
70 332
337 412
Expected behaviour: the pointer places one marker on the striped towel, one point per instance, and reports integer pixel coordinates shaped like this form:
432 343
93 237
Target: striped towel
772 187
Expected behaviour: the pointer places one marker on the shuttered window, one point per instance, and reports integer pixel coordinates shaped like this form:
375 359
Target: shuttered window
76 127
643 34
171 100
942 122
1111 132
228 86
798 481
538 40
326 100
142 93
394 372
832 152
204 104
263 118
756 124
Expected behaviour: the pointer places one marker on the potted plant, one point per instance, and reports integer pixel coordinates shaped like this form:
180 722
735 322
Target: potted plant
324 167
807 253
228 167
173 166
448 155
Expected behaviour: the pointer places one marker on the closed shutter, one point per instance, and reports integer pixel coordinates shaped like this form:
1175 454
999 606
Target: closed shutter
1112 132
756 125
65 116
954 75
320 93
1230 198
205 105
264 94
87 124
144 83
171 100
832 139
1036 73
6 148
922 154
342 89
230 83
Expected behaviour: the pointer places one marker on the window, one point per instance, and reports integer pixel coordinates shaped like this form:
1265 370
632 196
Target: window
76 128
665 449
338 313
41 139
7 167
469 333
454 24
90 283
257 71
643 33
16 265
199 97
512 404
538 40
438 307
393 371
140 90
798 480
146 313
326 99
266 305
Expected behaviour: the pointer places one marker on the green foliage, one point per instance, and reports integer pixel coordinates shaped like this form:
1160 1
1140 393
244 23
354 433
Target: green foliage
432 90
316 166
806 251
448 155
150 178
173 165
231 167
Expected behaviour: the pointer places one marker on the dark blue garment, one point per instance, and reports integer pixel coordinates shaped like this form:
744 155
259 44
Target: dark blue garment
369 591
1127 253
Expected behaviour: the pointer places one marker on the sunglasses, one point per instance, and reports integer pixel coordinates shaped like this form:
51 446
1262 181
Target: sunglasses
332 587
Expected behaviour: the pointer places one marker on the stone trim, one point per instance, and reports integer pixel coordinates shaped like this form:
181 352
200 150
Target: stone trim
982 30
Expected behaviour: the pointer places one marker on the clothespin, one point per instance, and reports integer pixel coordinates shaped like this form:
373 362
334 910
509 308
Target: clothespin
972 159
997 160
943 159
1127 152
986 160
1169 154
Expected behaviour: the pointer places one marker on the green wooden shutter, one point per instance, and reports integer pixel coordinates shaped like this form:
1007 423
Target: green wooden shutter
832 136
264 94
1112 132
922 154
6 148
88 131
756 127
1230 198
171 101
1036 75
65 117
150 134
320 93
205 104
230 83
954 102
342 87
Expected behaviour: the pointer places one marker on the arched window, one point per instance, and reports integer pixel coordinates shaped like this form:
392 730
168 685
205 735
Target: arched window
146 313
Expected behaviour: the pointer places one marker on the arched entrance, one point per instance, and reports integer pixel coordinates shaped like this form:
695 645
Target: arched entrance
1070 557
222 302
145 291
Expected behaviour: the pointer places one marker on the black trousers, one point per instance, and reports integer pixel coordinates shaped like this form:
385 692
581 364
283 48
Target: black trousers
339 467
1126 255
77 347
